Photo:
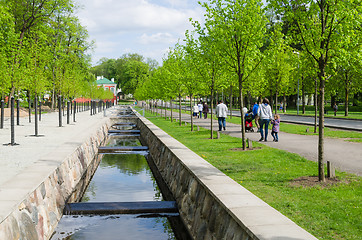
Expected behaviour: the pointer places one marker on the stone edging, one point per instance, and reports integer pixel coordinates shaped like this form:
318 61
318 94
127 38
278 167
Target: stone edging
211 204
38 213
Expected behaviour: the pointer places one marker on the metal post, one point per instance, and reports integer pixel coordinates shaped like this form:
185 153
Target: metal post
75 110
40 110
63 107
298 95
36 114
60 110
17 112
12 122
68 112
29 105
2 114
91 109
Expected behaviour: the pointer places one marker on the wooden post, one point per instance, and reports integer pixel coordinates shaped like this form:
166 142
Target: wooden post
250 144
331 171
198 128
218 135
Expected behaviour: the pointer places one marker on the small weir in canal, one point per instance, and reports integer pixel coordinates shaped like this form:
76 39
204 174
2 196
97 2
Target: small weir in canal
123 200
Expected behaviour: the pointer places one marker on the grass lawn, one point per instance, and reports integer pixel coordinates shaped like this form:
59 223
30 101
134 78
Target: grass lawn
353 112
351 136
328 132
326 211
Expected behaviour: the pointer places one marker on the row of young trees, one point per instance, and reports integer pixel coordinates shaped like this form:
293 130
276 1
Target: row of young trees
43 50
260 51
129 71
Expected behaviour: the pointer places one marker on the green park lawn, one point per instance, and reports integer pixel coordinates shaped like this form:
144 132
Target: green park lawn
351 136
327 211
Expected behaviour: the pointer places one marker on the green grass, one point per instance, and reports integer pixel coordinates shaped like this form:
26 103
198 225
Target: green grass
354 112
332 212
328 132
351 136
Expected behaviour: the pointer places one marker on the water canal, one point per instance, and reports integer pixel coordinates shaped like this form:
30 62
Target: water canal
122 177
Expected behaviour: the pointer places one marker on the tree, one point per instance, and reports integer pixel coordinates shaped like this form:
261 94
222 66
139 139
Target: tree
238 28
319 27
278 63
206 63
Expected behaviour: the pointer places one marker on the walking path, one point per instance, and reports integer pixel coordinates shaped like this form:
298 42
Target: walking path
346 156
55 144
339 123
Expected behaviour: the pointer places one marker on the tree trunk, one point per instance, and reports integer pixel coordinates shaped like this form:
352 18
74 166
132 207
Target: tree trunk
179 106
249 100
303 96
321 175
212 113
192 122
171 109
165 104
346 96
276 101
241 113
271 98
231 101
284 103
315 105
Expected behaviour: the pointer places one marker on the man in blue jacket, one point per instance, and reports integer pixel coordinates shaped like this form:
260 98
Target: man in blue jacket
255 115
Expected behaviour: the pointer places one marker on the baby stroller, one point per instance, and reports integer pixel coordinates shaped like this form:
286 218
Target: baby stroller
249 122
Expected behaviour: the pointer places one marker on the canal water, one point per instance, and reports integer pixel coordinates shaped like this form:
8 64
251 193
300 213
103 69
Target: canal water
123 177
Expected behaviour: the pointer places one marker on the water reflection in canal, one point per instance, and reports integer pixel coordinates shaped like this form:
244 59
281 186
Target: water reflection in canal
119 178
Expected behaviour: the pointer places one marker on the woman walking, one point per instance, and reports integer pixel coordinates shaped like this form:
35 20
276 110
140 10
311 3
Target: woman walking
265 115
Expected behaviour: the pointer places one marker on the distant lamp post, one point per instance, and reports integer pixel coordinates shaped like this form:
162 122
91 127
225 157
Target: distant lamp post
298 85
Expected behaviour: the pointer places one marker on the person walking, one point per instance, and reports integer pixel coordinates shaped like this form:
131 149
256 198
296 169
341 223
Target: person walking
221 113
200 106
205 110
256 116
195 110
275 128
265 114
335 109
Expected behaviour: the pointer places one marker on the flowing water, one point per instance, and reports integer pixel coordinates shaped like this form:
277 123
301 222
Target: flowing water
121 178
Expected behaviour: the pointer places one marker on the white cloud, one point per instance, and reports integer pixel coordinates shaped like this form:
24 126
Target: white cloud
157 38
141 26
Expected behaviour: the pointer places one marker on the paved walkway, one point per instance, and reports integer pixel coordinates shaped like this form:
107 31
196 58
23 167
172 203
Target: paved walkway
55 143
346 156
347 124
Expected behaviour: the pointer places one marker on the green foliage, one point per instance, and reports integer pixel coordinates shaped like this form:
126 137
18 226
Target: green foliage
328 212
42 48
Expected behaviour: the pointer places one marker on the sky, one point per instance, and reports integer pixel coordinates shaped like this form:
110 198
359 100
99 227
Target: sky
146 27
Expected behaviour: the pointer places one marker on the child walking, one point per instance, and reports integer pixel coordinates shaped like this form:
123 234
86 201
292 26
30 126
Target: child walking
275 128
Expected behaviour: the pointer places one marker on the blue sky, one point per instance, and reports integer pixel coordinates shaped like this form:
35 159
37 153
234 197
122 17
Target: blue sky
147 27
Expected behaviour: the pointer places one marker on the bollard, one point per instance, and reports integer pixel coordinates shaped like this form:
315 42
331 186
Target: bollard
331 171
17 112
40 109
12 122
29 105
68 112
36 115
2 114
60 110
91 104
218 135
250 144
74 110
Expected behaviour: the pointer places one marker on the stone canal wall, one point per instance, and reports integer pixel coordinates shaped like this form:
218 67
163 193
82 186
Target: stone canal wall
37 215
212 205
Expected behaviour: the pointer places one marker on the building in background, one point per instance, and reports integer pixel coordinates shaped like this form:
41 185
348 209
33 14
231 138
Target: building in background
108 85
